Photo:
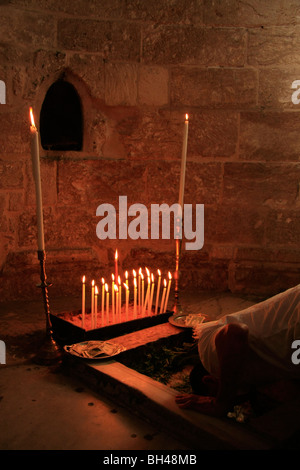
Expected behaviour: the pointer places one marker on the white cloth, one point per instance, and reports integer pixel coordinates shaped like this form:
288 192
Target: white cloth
273 325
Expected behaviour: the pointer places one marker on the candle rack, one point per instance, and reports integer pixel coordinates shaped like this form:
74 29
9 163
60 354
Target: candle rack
50 352
177 309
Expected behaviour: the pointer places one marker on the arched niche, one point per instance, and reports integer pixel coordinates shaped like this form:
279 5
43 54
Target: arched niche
61 121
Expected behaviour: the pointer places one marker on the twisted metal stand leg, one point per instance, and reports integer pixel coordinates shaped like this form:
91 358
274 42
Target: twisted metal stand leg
50 352
177 306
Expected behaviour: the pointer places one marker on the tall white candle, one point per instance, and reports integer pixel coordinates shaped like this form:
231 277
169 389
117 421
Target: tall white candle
120 298
147 296
134 297
92 302
35 156
116 265
163 297
183 160
107 304
168 292
83 303
102 301
96 307
113 290
117 301
139 291
157 292
151 296
127 299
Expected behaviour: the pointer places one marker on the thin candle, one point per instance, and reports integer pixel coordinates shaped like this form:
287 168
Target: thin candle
83 302
35 157
107 304
96 307
134 297
139 291
92 302
120 298
163 296
147 296
157 292
102 300
113 297
168 291
127 299
126 277
142 293
117 301
151 295
183 160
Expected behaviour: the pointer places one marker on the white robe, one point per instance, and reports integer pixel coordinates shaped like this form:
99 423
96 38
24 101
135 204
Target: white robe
273 326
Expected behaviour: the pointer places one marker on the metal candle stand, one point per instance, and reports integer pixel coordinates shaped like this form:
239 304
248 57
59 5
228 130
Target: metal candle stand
50 352
177 306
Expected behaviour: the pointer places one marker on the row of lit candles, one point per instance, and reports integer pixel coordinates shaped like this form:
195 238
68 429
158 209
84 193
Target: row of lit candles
142 298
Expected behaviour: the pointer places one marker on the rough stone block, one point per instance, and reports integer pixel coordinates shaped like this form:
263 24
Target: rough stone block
153 86
121 84
163 44
275 88
15 134
164 11
252 13
91 69
111 40
283 228
235 224
257 184
274 46
269 136
213 134
11 175
214 87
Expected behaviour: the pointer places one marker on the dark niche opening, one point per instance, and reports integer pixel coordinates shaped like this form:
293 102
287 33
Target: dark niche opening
61 118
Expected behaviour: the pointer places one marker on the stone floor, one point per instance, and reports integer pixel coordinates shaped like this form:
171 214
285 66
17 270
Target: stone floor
43 408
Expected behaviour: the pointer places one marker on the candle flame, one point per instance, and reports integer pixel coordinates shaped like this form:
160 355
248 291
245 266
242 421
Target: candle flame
142 275
119 280
96 290
103 280
126 274
135 283
106 287
165 282
113 277
148 272
152 277
93 282
31 117
125 285
140 271
170 275
186 117
134 272
83 279
116 288
116 255
159 272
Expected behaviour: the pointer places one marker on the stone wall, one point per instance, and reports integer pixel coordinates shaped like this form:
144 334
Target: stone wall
138 67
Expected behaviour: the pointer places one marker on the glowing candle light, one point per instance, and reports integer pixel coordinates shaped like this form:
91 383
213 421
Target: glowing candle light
168 291
107 303
96 307
134 297
102 301
157 292
116 264
127 299
35 157
126 277
92 302
183 160
151 296
83 302
163 296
